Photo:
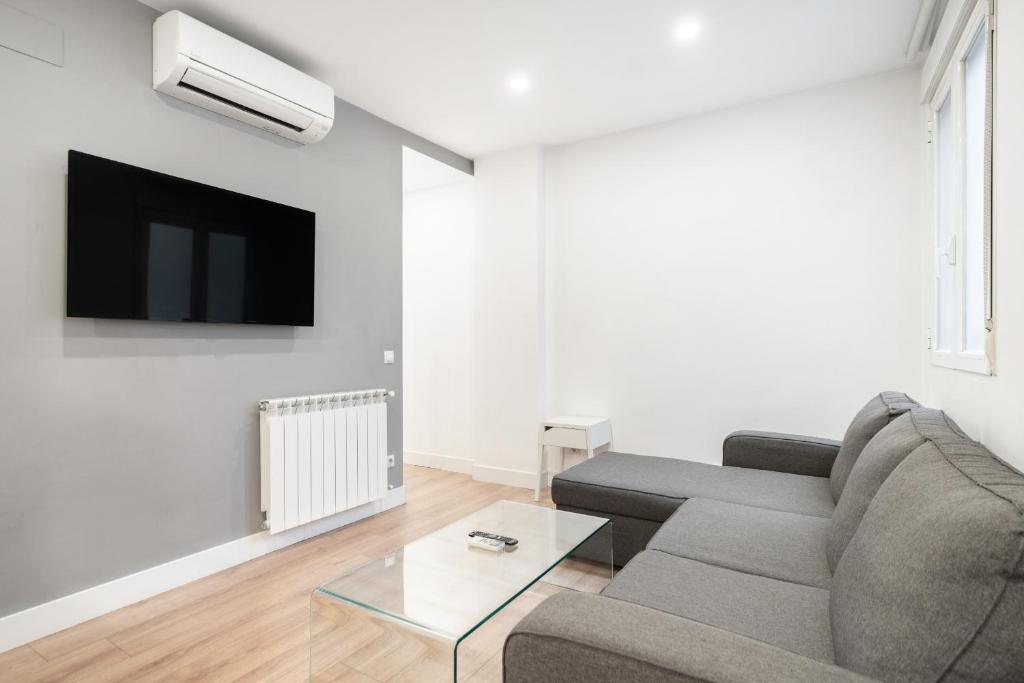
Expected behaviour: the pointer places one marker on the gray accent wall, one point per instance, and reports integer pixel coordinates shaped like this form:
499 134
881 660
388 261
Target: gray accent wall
126 444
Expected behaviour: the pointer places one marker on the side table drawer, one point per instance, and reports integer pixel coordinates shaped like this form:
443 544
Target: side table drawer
566 438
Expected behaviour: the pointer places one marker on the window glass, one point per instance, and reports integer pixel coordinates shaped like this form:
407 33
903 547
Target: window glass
974 195
945 272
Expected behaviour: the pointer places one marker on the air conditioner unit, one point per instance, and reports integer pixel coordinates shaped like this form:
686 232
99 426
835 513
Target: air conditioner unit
199 64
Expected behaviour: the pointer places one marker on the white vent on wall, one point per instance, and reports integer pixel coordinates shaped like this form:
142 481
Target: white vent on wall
205 67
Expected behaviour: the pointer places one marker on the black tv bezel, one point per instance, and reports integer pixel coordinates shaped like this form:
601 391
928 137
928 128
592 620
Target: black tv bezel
298 321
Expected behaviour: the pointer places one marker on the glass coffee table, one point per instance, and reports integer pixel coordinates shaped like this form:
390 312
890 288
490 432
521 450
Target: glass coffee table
404 617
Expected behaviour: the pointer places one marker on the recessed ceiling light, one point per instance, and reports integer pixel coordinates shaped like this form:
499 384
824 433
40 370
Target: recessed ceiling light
686 31
518 84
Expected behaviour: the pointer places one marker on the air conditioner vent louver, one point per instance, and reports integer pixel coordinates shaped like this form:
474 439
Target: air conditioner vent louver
194 81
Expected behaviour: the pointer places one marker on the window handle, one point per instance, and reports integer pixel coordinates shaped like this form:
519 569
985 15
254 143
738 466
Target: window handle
950 251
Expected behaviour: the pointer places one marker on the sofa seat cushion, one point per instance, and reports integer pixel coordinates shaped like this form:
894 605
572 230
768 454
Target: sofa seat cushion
647 487
786 615
779 545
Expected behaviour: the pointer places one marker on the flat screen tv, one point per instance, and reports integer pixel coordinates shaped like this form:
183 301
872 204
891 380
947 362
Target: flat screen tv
143 245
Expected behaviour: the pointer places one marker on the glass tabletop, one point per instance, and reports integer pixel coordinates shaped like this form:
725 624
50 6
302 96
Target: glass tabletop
441 584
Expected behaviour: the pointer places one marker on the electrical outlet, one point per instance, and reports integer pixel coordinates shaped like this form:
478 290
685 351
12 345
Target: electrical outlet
391 460
389 357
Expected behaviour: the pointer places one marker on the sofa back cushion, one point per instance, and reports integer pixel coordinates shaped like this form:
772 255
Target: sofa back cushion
931 587
876 462
879 411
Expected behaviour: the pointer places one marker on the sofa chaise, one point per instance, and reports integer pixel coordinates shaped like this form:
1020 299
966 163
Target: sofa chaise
894 555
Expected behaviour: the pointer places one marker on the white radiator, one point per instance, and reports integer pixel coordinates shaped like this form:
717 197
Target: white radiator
320 455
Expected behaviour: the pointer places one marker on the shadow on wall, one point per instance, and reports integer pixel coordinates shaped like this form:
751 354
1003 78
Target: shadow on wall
98 338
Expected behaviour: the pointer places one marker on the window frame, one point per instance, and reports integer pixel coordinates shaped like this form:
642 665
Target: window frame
952 84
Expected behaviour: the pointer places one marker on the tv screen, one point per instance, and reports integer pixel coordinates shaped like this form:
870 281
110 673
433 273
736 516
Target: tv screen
147 246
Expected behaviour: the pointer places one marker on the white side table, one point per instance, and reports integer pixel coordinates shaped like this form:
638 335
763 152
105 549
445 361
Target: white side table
570 431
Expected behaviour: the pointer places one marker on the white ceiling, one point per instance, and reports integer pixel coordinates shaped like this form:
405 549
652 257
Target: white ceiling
441 68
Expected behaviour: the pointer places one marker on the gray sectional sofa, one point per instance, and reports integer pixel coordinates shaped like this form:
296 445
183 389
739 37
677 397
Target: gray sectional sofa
894 555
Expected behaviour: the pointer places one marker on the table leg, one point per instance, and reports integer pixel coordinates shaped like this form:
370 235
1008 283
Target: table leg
541 471
349 643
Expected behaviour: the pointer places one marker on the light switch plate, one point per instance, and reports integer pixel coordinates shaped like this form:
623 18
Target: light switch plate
389 357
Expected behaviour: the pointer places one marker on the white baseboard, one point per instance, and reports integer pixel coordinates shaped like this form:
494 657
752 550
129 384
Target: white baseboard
495 475
451 463
42 620
501 475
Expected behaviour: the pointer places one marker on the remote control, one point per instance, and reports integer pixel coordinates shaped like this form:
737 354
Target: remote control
507 540
485 543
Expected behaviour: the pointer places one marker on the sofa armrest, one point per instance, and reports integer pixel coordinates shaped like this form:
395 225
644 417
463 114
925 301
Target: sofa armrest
581 637
789 453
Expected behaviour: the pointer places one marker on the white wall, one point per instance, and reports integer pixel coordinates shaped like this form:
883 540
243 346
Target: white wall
757 267
991 409
474 334
510 336
439 325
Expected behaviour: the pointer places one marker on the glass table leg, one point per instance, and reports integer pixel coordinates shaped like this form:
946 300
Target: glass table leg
346 640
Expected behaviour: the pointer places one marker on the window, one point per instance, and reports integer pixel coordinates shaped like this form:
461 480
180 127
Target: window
960 116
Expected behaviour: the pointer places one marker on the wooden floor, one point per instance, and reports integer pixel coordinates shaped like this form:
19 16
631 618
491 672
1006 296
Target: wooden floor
251 622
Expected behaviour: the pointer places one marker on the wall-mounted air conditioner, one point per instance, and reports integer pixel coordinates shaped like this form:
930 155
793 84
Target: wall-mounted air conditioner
205 67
